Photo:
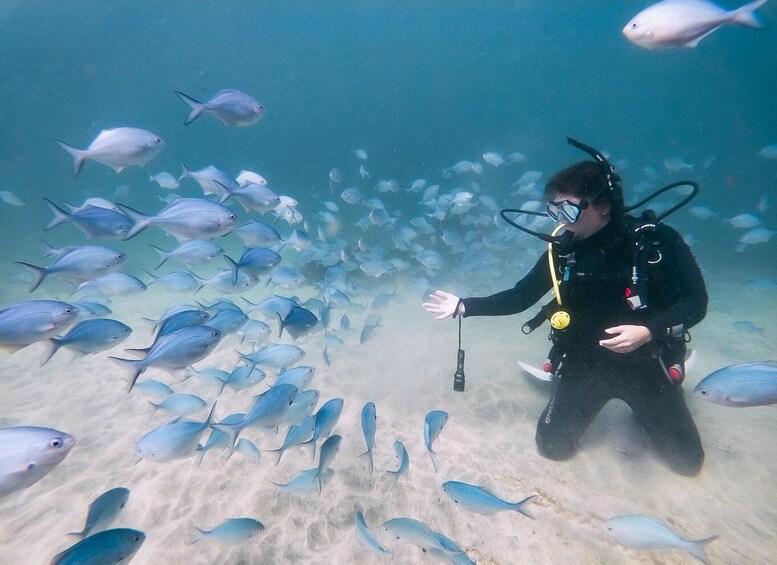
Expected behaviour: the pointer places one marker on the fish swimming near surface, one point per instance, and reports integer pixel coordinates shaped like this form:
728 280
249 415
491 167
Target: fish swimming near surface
477 499
111 546
103 511
642 532
231 107
230 532
28 322
29 453
741 385
684 23
117 148
434 422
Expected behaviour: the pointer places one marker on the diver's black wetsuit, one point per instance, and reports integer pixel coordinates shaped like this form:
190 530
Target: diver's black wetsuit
591 375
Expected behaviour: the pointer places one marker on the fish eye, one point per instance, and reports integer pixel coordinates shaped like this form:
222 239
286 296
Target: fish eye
137 538
704 392
634 25
68 310
232 217
56 442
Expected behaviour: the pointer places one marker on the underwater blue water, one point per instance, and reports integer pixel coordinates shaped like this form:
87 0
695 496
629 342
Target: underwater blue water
418 85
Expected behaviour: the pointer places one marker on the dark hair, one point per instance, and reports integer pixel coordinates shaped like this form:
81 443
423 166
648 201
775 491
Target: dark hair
587 179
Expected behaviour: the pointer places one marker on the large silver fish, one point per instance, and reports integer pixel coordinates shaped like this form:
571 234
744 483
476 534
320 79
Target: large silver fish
231 107
117 148
186 218
743 384
27 322
174 351
684 23
29 453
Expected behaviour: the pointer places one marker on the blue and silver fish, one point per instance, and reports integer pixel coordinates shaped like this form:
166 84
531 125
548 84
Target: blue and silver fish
404 461
255 261
80 264
304 483
743 384
174 351
186 218
230 106
117 148
257 234
103 511
171 441
642 532
298 322
275 355
477 499
28 322
230 532
89 336
326 419
29 453
366 537
180 404
111 546
433 424
369 421
94 221
328 451
191 253
267 411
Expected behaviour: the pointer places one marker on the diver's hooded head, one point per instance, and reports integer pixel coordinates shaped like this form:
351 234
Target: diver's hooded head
588 182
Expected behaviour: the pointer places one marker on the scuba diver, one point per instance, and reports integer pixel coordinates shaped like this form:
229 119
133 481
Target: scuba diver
626 290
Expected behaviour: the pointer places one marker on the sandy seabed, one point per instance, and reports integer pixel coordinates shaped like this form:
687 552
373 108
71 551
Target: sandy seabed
406 368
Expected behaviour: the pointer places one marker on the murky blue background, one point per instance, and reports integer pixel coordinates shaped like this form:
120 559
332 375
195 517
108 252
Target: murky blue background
419 85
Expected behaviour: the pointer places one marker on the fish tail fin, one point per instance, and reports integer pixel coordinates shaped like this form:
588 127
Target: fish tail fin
185 172
39 272
155 406
235 268
199 454
393 476
60 216
696 548
280 321
368 455
196 106
521 506
163 255
133 366
141 221
276 454
79 156
53 345
51 250
435 462
79 535
209 421
746 16
312 443
232 430
198 536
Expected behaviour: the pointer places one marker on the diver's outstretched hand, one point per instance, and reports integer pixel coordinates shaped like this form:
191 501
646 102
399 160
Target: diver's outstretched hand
444 305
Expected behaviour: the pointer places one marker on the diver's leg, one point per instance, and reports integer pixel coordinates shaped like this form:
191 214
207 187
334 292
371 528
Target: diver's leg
576 400
660 407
